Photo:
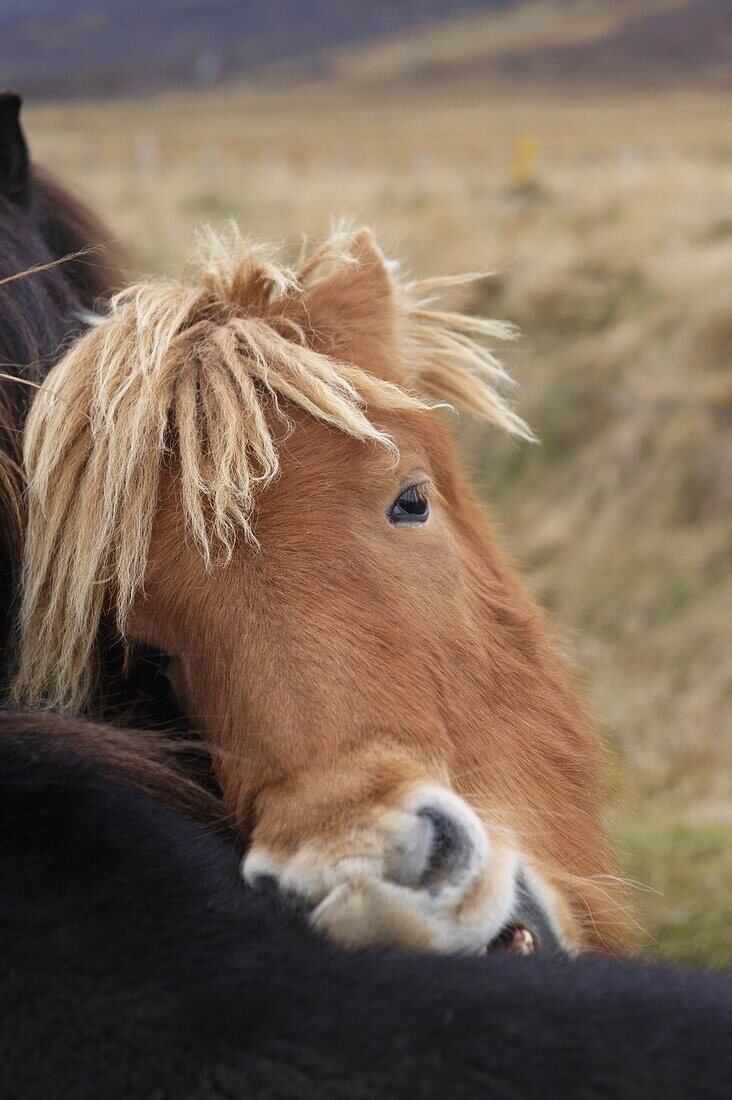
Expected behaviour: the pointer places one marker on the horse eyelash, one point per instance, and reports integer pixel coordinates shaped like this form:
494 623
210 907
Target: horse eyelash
424 485
428 488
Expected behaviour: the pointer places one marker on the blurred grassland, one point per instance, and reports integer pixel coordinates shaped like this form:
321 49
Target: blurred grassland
614 255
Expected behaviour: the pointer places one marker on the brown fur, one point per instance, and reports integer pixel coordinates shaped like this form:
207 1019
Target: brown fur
336 660
454 676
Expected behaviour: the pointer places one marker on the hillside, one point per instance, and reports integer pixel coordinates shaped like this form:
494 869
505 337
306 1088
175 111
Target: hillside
623 45
93 47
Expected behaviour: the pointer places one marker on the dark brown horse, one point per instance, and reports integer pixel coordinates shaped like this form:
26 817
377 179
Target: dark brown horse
134 964
57 262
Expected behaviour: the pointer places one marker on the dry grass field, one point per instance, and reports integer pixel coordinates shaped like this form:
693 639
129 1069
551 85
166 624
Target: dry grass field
613 253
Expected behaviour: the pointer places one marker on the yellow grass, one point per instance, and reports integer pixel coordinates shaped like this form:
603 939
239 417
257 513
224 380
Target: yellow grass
616 260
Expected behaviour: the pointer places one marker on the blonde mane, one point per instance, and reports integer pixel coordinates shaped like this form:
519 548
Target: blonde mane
200 372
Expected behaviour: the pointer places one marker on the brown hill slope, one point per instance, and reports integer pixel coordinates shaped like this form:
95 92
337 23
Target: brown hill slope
88 47
92 47
626 44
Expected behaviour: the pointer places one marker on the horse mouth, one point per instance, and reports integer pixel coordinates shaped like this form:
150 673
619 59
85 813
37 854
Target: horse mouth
514 939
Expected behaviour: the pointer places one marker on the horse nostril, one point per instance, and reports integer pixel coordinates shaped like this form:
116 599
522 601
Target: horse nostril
451 849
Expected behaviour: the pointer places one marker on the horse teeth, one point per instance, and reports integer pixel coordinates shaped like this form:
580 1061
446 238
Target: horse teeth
523 942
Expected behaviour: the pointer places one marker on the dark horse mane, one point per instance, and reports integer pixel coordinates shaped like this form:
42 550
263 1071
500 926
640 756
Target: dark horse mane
57 261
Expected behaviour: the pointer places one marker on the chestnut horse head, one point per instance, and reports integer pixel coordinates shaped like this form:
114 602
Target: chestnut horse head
247 472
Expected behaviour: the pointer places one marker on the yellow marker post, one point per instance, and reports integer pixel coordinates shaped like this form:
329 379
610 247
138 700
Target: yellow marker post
523 163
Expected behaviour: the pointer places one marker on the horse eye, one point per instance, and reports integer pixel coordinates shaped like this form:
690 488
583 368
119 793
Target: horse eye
411 506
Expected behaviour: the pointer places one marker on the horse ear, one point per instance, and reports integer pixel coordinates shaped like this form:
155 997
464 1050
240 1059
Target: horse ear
14 162
371 273
353 311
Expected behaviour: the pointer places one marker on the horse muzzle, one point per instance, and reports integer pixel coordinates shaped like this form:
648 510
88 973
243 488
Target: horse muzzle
423 875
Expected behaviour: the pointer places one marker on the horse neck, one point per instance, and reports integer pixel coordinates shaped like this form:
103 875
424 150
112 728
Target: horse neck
40 314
